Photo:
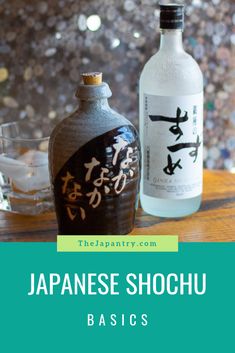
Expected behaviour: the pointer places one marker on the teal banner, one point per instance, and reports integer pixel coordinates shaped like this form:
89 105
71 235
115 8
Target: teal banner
117 302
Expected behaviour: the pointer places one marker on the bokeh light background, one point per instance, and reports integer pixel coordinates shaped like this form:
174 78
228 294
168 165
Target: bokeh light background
46 45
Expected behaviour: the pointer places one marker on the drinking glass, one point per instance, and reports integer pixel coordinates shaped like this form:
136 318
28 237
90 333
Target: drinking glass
24 176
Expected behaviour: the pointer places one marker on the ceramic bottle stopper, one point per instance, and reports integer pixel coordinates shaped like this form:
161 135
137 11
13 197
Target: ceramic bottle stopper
94 157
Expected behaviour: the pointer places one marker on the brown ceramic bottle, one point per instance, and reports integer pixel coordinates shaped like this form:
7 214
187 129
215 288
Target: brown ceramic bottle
94 157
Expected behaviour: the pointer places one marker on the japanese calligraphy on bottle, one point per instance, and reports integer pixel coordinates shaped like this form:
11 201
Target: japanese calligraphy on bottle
173 125
96 180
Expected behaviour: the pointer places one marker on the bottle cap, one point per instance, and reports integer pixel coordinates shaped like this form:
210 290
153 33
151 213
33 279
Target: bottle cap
92 78
172 16
92 87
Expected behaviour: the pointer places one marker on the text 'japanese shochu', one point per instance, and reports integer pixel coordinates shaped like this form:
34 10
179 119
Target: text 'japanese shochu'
171 124
95 165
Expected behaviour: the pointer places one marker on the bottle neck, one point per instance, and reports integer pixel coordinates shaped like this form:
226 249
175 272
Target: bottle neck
171 40
90 105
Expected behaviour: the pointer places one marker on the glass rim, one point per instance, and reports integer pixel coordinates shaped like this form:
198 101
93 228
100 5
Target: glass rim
21 139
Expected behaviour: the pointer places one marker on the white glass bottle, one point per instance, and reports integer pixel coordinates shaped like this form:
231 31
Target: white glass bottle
171 124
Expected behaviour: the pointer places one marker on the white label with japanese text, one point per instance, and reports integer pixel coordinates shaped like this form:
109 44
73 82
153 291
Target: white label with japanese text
172 146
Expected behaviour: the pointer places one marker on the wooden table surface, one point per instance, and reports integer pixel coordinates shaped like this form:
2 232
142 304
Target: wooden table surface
214 222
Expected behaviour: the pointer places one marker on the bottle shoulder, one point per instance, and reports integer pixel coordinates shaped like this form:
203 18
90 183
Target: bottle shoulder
87 123
167 58
167 72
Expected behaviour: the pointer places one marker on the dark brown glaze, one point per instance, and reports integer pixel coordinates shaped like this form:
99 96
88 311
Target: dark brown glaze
104 204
